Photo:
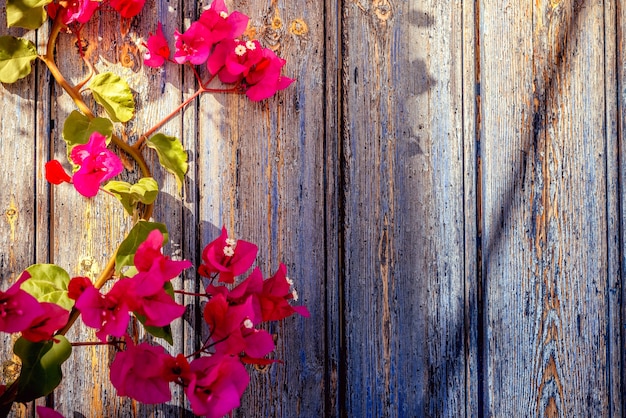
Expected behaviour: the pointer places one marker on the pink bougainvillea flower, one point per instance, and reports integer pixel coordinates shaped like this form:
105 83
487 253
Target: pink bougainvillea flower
44 412
216 385
127 8
264 79
159 308
274 298
158 49
73 10
56 174
232 328
213 26
193 45
139 372
221 24
233 59
155 269
227 257
18 309
108 313
97 165
45 325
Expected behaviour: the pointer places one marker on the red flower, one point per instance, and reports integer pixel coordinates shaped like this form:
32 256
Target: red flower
140 372
265 79
216 385
274 298
77 286
232 328
158 49
55 173
97 165
227 257
127 8
18 309
45 325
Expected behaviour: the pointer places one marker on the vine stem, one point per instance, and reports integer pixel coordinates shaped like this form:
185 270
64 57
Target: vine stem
48 59
202 89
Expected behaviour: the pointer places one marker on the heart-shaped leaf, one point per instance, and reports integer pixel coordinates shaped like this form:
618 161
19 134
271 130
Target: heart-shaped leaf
41 366
48 283
16 57
29 14
172 155
144 191
114 95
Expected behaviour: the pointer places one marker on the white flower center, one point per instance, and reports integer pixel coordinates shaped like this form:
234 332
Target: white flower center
240 50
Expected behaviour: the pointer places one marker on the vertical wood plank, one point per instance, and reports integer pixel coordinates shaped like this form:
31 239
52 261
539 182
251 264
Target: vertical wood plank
404 209
544 213
471 126
615 324
620 44
262 171
24 202
99 225
333 117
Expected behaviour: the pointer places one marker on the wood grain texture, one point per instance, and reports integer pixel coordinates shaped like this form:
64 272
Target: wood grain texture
403 191
543 150
444 183
24 227
261 167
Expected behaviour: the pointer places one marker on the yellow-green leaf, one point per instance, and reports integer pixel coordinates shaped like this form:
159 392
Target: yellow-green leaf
29 14
172 156
144 191
48 283
78 128
16 57
114 95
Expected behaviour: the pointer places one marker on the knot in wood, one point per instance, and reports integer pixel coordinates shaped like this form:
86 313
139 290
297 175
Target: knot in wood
383 10
298 27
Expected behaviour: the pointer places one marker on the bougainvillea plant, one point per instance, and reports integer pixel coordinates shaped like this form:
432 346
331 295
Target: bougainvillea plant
44 302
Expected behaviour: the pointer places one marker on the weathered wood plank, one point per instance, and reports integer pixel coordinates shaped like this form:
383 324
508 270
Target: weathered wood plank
471 125
615 324
24 203
617 286
403 221
101 223
262 167
544 208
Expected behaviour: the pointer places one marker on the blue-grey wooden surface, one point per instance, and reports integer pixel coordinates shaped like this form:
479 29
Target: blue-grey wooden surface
444 182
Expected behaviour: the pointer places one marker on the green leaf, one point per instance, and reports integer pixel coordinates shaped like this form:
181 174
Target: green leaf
29 14
144 191
171 154
159 332
16 57
114 95
126 253
48 283
78 128
41 366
